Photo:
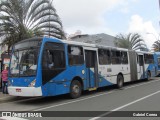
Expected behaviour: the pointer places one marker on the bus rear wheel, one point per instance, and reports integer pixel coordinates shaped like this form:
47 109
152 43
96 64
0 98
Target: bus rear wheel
120 81
75 89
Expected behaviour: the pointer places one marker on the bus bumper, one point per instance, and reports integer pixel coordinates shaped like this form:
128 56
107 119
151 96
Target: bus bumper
25 91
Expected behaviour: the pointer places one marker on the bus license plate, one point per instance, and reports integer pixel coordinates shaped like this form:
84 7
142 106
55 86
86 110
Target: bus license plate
18 90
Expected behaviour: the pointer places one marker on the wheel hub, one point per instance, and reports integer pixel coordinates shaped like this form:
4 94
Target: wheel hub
76 89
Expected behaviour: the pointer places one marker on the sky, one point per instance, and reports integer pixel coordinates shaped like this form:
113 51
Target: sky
111 17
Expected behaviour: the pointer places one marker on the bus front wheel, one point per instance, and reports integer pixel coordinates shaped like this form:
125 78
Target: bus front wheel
120 81
75 89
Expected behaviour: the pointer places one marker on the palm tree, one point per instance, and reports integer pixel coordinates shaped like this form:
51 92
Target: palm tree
132 41
156 46
21 19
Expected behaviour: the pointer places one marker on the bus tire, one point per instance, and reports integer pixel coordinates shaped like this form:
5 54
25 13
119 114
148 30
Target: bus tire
148 75
120 81
75 89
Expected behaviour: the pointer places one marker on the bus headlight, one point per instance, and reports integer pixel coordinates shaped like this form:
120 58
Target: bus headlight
32 84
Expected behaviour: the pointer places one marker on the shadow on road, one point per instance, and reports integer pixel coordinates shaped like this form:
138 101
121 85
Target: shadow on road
56 99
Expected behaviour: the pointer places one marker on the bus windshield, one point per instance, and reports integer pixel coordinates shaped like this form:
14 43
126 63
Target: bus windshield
24 62
25 57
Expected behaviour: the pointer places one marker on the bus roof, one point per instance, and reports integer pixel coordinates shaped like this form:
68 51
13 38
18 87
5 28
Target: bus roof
30 39
83 44
92 45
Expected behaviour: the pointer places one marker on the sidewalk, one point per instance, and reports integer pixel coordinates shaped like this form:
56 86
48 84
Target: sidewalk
3 96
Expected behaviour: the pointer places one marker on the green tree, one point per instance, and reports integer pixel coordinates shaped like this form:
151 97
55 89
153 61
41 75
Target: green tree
156 46
22 19
131 41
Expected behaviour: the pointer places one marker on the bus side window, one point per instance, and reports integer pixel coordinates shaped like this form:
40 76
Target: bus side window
141 62
53 59
104 56
45 60
75 55
116 57
148 58
124 57
137 59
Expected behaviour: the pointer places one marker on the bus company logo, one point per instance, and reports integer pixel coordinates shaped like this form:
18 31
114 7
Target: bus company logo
6 114
18 90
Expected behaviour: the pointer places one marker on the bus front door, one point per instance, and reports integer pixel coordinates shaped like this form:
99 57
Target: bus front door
91 69
141 71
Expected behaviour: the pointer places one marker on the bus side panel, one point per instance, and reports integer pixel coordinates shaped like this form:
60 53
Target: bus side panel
156 62
120 69
151 68
61 83
110 78
126 72
115 71
110 72
105 75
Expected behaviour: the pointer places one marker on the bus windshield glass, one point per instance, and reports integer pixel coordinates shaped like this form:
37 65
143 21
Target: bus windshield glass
24 61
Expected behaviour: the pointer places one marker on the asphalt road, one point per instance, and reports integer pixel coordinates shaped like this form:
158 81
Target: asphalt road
137 96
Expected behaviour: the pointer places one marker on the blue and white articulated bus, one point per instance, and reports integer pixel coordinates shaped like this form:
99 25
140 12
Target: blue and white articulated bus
157 62
50 67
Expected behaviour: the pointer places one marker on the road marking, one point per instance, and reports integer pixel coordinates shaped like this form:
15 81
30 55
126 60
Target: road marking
126 105
73 101
91 97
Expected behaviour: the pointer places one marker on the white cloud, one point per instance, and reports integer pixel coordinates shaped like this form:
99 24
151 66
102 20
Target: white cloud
86 15
145 28
89 17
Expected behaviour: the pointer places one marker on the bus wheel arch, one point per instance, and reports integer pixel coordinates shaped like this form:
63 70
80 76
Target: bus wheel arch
76 87
120 80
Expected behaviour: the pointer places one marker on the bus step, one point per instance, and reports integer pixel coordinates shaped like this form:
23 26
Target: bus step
92 89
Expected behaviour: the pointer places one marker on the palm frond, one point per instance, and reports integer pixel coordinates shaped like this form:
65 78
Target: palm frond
130 41
20 19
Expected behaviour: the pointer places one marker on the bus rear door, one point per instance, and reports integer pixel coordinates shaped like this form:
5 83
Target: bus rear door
91 69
